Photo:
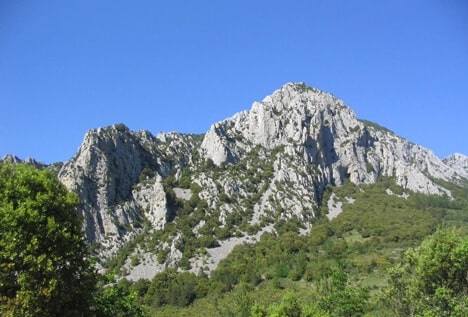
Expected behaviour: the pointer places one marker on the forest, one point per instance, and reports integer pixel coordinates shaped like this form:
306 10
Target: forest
391 252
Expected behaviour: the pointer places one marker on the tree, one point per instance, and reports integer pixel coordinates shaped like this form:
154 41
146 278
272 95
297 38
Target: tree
174 288
290 306
44 266
340 299
117 299
431 280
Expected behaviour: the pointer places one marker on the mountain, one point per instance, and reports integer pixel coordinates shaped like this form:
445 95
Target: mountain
459 162
317 128
183 200
13 159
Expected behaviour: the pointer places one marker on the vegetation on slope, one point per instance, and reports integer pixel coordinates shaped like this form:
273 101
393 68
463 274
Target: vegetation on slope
349 266
389 253
44 262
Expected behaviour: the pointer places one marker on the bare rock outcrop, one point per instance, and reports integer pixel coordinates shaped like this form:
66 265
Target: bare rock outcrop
103 171
459 162
266 165
106 170
321 130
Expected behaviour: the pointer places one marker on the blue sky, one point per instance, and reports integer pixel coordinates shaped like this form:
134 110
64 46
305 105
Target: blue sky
70 66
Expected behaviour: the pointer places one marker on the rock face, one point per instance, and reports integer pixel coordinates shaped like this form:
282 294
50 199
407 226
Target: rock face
245 174
319 129
105 171
102 173
458 162
12 159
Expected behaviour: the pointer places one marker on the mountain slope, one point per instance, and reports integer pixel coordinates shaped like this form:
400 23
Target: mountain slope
319 129
109 163
170 198
458 162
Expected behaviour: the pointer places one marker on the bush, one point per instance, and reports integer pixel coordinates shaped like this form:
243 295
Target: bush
431 279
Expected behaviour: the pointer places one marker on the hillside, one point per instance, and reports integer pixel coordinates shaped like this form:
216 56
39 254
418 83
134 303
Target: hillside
179 200
266 201
178 194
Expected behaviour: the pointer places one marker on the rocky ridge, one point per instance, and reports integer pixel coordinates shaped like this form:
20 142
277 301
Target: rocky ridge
458 162
317 128
177 200
118 177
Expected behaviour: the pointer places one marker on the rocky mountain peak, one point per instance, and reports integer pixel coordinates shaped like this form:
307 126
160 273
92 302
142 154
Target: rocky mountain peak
321 130
10 158
459 162
290 116
111 157
103 171
109 164
13 159
268 164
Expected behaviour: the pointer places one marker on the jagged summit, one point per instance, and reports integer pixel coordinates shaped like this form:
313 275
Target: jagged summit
10 158
105 169
321 130
13 159
282 118
459 162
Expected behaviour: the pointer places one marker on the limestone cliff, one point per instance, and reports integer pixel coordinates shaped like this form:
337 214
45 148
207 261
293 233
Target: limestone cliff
319 129
181 193
459 162
105 172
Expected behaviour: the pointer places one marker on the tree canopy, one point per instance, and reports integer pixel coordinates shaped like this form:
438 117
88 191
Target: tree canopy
431 280
44 266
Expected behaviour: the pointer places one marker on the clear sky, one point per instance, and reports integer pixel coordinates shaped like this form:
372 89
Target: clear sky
70 66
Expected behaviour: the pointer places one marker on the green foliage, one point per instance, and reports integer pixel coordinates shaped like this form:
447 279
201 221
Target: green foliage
44 263
375 126
432 279
207 165
44 269
340 299
117 300
172 202
302 87
237 304
286 273
145 174
116 263
121 127
185 181
271 257
290 306
176 289
376 213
